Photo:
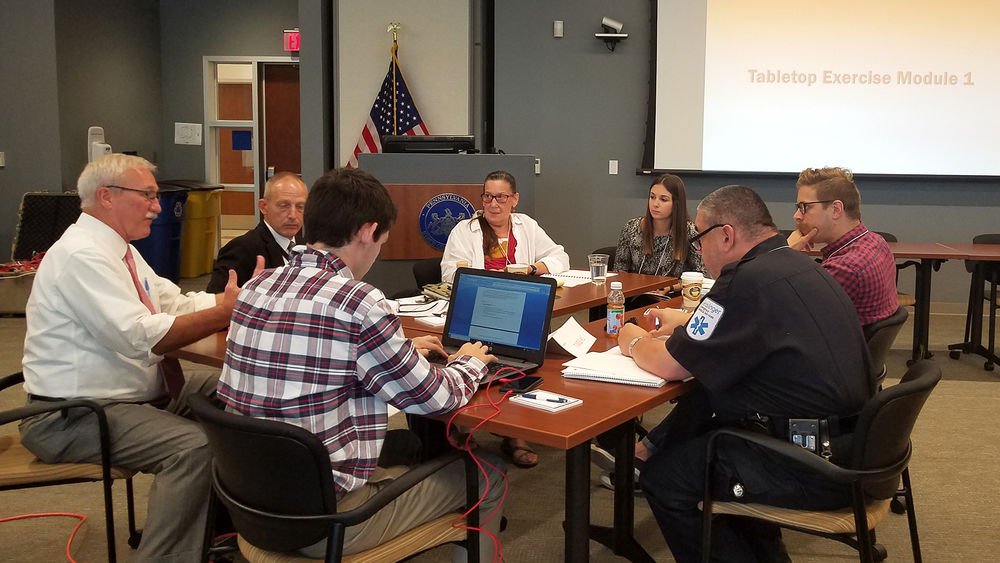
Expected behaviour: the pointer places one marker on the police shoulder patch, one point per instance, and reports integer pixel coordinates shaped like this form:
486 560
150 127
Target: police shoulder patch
704 320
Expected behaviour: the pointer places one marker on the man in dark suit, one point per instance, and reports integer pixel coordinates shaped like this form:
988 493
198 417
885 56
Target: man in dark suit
281 213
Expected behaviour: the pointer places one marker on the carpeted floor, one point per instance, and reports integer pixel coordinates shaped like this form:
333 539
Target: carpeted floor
953 473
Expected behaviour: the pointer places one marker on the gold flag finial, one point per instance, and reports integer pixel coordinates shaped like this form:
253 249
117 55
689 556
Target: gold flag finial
393 28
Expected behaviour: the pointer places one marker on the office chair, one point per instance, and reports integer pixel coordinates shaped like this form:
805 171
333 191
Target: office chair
427 271
880 335
880 457
276 482
991 274
905 299
20 469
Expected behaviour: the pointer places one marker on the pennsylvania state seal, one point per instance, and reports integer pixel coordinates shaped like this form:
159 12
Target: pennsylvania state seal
440 215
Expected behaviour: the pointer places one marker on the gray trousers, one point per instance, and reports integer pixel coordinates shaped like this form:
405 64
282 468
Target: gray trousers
439 494
147 439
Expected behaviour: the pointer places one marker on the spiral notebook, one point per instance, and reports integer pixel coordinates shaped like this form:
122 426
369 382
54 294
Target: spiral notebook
611 367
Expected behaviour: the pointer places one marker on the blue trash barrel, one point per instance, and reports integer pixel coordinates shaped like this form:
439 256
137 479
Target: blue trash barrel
162 248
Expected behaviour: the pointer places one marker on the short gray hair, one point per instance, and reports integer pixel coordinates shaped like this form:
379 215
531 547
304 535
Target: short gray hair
105 171
740 207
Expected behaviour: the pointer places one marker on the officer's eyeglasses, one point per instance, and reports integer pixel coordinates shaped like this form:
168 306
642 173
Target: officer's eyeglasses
501 198
696 240
149 195
803 206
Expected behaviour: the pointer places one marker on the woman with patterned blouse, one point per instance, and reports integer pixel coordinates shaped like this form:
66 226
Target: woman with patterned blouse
657 244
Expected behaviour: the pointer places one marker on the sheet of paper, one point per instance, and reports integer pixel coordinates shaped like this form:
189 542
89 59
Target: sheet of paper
419 307
573 338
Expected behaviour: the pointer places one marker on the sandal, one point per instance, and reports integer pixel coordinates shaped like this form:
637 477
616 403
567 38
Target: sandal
518 454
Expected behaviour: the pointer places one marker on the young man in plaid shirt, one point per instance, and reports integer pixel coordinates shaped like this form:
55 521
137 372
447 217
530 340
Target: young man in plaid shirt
312 345
828 210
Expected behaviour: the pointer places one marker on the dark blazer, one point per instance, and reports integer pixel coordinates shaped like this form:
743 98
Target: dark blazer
240 254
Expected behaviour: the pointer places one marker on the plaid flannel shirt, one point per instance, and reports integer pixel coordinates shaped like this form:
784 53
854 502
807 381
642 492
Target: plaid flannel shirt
311 346
864 266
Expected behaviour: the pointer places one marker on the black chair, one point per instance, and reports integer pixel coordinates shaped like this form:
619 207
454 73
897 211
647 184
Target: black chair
427 271
880 335
905 299
983 272
276 482
20 469
880 456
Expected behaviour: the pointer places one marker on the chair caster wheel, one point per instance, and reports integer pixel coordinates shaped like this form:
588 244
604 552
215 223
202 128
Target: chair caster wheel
988 366
955 354
879 552
134 539
897 506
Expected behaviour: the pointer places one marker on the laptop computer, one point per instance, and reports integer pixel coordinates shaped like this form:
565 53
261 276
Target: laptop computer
510 313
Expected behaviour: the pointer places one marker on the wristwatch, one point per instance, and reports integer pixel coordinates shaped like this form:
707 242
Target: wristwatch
632 343
534 269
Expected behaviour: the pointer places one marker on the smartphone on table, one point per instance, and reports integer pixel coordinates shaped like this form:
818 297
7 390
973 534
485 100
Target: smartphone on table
522 384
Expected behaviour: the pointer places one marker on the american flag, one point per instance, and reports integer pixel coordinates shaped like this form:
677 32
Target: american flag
393 113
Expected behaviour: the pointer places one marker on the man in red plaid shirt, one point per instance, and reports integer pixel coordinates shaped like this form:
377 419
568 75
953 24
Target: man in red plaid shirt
312 345
828 210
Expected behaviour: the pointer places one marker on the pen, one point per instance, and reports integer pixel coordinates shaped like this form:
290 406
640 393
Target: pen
537 398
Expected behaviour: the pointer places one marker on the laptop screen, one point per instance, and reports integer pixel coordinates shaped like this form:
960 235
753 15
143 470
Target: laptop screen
503 309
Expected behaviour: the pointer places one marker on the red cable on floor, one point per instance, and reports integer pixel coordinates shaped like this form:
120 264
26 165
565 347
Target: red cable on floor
498 547
82 517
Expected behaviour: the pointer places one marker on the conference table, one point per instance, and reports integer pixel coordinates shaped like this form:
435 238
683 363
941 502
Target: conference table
931 255
980 253
606 406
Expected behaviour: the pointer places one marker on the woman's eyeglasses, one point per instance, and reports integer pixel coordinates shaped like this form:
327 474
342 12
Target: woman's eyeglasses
501 198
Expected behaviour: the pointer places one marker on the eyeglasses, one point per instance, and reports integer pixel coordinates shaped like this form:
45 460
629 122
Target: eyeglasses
501 198
695 241
803 206
149 195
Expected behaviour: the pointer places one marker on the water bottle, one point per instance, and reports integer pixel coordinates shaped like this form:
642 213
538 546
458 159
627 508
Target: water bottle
616 309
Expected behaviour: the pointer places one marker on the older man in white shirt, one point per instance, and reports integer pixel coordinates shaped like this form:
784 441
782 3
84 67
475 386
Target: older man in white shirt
99 321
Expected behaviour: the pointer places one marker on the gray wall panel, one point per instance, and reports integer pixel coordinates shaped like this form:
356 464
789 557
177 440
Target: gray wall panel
29 108
109 75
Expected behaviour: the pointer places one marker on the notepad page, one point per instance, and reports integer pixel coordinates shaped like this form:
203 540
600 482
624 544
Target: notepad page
612 366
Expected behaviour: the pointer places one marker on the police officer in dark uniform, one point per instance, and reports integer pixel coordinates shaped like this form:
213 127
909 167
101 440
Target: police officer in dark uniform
775 338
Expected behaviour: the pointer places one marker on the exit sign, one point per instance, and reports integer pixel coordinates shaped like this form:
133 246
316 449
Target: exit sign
292 40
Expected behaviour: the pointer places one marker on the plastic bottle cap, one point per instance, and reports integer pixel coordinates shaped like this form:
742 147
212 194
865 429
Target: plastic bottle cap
616 285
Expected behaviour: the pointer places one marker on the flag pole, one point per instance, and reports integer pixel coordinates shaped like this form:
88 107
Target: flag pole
394 28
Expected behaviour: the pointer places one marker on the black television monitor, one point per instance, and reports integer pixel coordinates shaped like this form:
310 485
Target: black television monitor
442 144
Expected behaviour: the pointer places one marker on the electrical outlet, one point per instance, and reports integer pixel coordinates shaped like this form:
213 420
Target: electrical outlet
538 166
613 167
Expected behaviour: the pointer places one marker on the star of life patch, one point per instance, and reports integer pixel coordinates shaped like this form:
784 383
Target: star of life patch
704 320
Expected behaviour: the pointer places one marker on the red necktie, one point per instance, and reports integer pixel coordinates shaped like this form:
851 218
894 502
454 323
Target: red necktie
169 368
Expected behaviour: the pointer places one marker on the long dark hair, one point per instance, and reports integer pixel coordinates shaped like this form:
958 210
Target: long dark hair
678 218
490 239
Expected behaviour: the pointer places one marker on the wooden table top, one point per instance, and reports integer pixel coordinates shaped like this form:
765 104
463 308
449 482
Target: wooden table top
605 405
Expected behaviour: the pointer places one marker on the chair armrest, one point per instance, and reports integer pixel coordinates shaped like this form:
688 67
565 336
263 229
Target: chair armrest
804 457
11 380
906 264
397 487
44 407
391 491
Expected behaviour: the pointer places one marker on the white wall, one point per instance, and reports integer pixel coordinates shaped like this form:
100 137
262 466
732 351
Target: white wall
434 55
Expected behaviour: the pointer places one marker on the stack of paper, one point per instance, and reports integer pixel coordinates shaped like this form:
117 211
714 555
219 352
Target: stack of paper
611 366
545 400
